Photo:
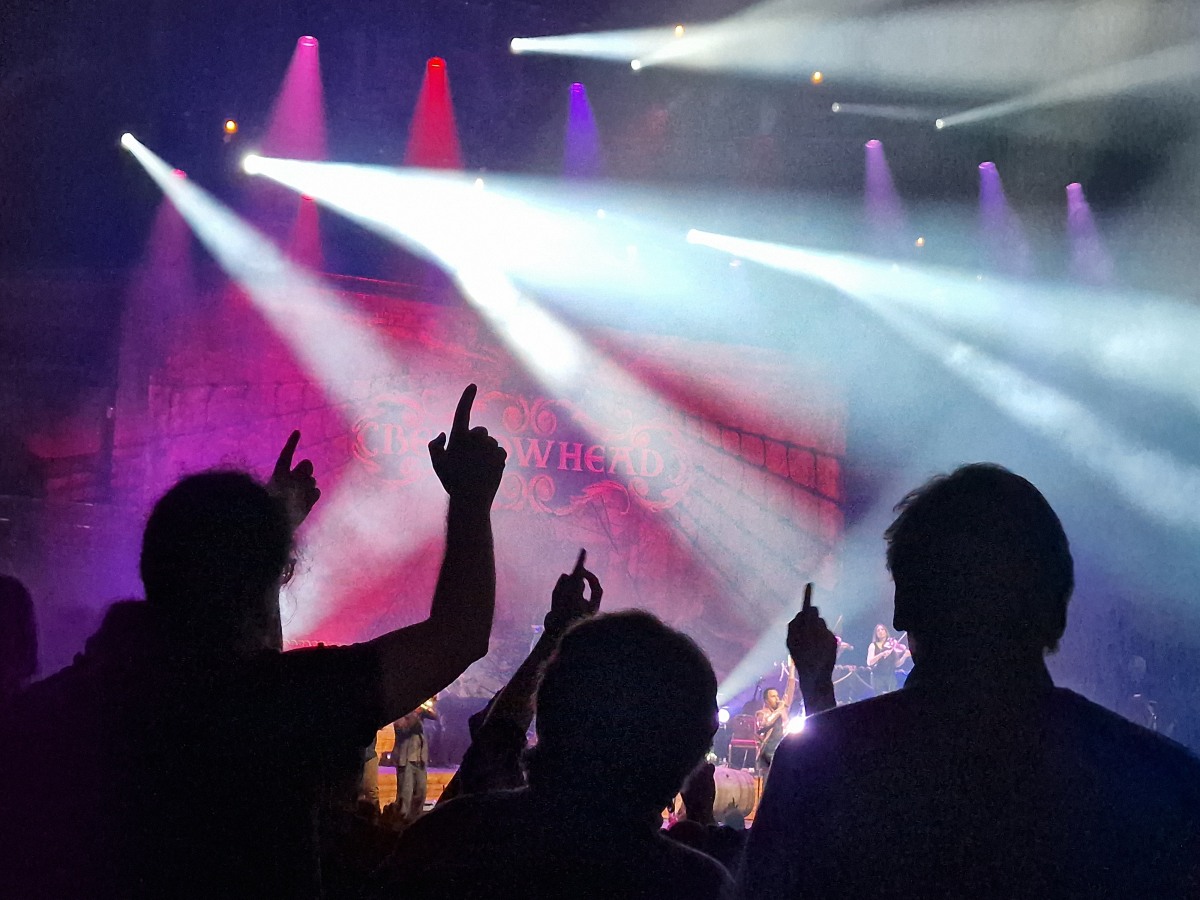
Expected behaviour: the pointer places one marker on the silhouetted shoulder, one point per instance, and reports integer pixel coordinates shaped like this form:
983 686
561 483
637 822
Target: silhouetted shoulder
850 725
1109 739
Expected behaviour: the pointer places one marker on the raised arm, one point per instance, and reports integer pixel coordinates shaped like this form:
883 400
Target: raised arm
512 709
814 651
418 661
567 606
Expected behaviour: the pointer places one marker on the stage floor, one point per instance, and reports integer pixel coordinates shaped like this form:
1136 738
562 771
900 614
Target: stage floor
438 778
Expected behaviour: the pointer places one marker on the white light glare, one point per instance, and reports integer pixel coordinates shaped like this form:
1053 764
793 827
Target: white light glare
252 164
795 724
723 716
939 124
128 141
635 64
516 44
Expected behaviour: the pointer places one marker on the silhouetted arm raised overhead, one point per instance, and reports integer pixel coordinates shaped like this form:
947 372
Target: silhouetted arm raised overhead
813 649
418 661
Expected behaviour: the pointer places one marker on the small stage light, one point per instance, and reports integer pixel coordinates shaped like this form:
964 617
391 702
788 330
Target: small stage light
920 242
837 107
1074 188
817 77
577 87
873 144
479 184
678 31
179 173
939 124
635 64
231 126
515 45
128 140
250 164
722 716
437 63
307 41
987 165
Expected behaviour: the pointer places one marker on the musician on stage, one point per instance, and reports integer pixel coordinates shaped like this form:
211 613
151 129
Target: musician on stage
885 654
772 720
412 760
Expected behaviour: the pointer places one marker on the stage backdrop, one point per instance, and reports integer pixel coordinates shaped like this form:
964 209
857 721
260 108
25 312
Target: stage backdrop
706 486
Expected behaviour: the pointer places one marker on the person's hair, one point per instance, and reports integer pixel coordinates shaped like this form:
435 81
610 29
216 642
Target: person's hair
214 545
18 634
875 632
980 549
604 730
769 690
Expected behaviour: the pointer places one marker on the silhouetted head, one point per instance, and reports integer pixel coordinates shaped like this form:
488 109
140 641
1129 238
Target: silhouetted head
980 551
18 637
771 698
605 734
881 633
215 551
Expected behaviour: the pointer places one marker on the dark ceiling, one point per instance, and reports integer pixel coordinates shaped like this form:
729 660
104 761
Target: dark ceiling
75 74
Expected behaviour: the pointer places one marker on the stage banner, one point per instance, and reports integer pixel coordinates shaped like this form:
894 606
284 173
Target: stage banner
704 481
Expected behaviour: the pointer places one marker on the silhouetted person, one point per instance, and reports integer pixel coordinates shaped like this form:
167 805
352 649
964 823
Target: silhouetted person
201 755
411 755
979 777
493 761
626 709
698 827
18 638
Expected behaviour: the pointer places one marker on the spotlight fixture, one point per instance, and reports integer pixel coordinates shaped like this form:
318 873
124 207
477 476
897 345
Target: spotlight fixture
920 242
939 124
479 184
250 164
873 144
307 41
179 173
635 64
128 140
678 31
231 126
437 62
723 716
837 107
817 77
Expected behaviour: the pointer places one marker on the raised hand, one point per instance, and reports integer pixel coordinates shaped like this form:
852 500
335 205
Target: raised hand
471 465
567 603
811 644
296 487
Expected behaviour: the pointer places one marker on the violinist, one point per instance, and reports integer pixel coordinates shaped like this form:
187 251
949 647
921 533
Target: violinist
885 654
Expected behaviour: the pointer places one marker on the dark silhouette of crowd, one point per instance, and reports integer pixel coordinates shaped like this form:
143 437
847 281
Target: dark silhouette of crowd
184 753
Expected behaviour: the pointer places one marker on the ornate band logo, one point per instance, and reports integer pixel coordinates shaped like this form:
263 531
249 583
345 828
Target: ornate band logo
558 457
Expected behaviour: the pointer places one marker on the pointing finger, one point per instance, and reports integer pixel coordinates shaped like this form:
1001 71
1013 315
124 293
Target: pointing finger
283 465
577 572
807 598
462 414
